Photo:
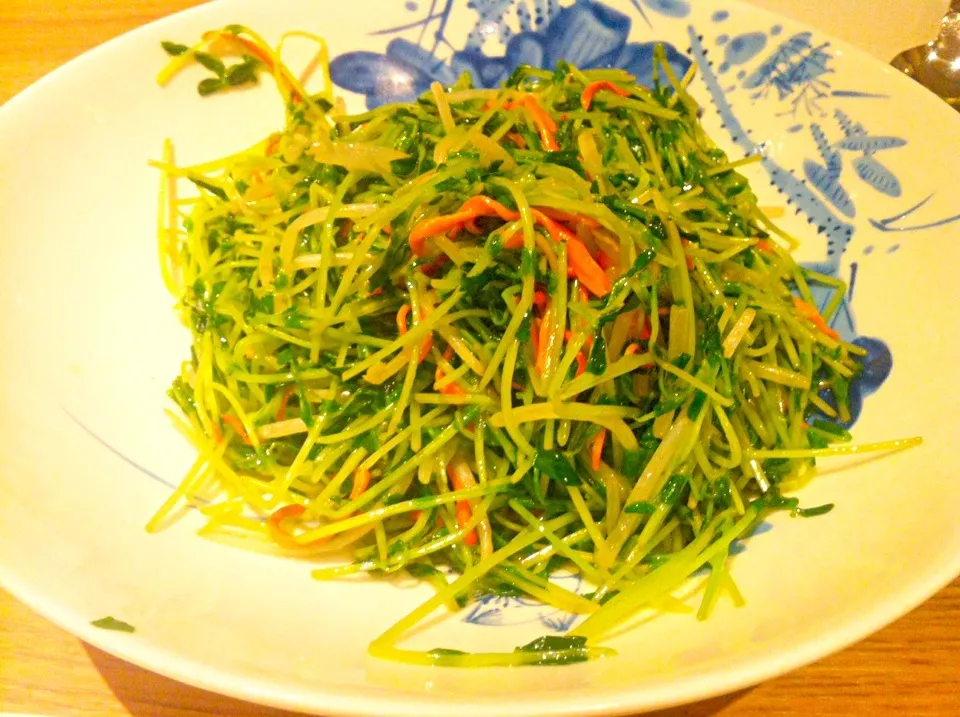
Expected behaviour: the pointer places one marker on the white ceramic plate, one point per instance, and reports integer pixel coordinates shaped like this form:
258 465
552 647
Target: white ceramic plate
89 344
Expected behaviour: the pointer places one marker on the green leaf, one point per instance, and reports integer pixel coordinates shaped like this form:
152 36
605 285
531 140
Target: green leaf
211 63
696 405
112 623
244 73
672 489
209 86
173 49
815 511
422 571
642 507
212 188
556 467
262 304
597 363
836 431
557 649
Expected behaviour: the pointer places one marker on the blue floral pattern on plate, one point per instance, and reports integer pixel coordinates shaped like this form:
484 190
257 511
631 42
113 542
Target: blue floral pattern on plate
586 34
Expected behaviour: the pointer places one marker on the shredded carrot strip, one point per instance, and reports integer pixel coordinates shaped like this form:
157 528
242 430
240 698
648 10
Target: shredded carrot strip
535 337
281 535
631 349
464 512
433 226
483 206
402 315
517 139
361 479
237 425
272 144
646 331
586 99
596 451
284 399
562 216
581 363
544 123
557 231
586 269
588 343
811 313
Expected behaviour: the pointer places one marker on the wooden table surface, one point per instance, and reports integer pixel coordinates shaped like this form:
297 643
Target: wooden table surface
912 667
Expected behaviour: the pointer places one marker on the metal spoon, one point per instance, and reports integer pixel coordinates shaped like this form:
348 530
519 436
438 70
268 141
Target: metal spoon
936 65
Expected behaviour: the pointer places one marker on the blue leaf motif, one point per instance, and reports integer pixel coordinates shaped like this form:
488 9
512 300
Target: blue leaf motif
378 77
860 143
778 59
830 156
559 622
412 55
671 8
525 49
877 176
583 32
637 59
483 614
485 71
744 48
821 178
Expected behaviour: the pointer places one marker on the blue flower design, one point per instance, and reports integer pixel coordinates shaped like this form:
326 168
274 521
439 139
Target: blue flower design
586 34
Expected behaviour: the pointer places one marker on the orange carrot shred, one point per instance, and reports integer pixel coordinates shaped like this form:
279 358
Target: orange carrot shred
586 268
402 319
586 99
284 399
596 451
562 216
272 144
237 425
581 363
631 349
463 517
464 512
281 535
645 332
425 346
557 231
483 206
517 139
814 315
361 479
433 226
